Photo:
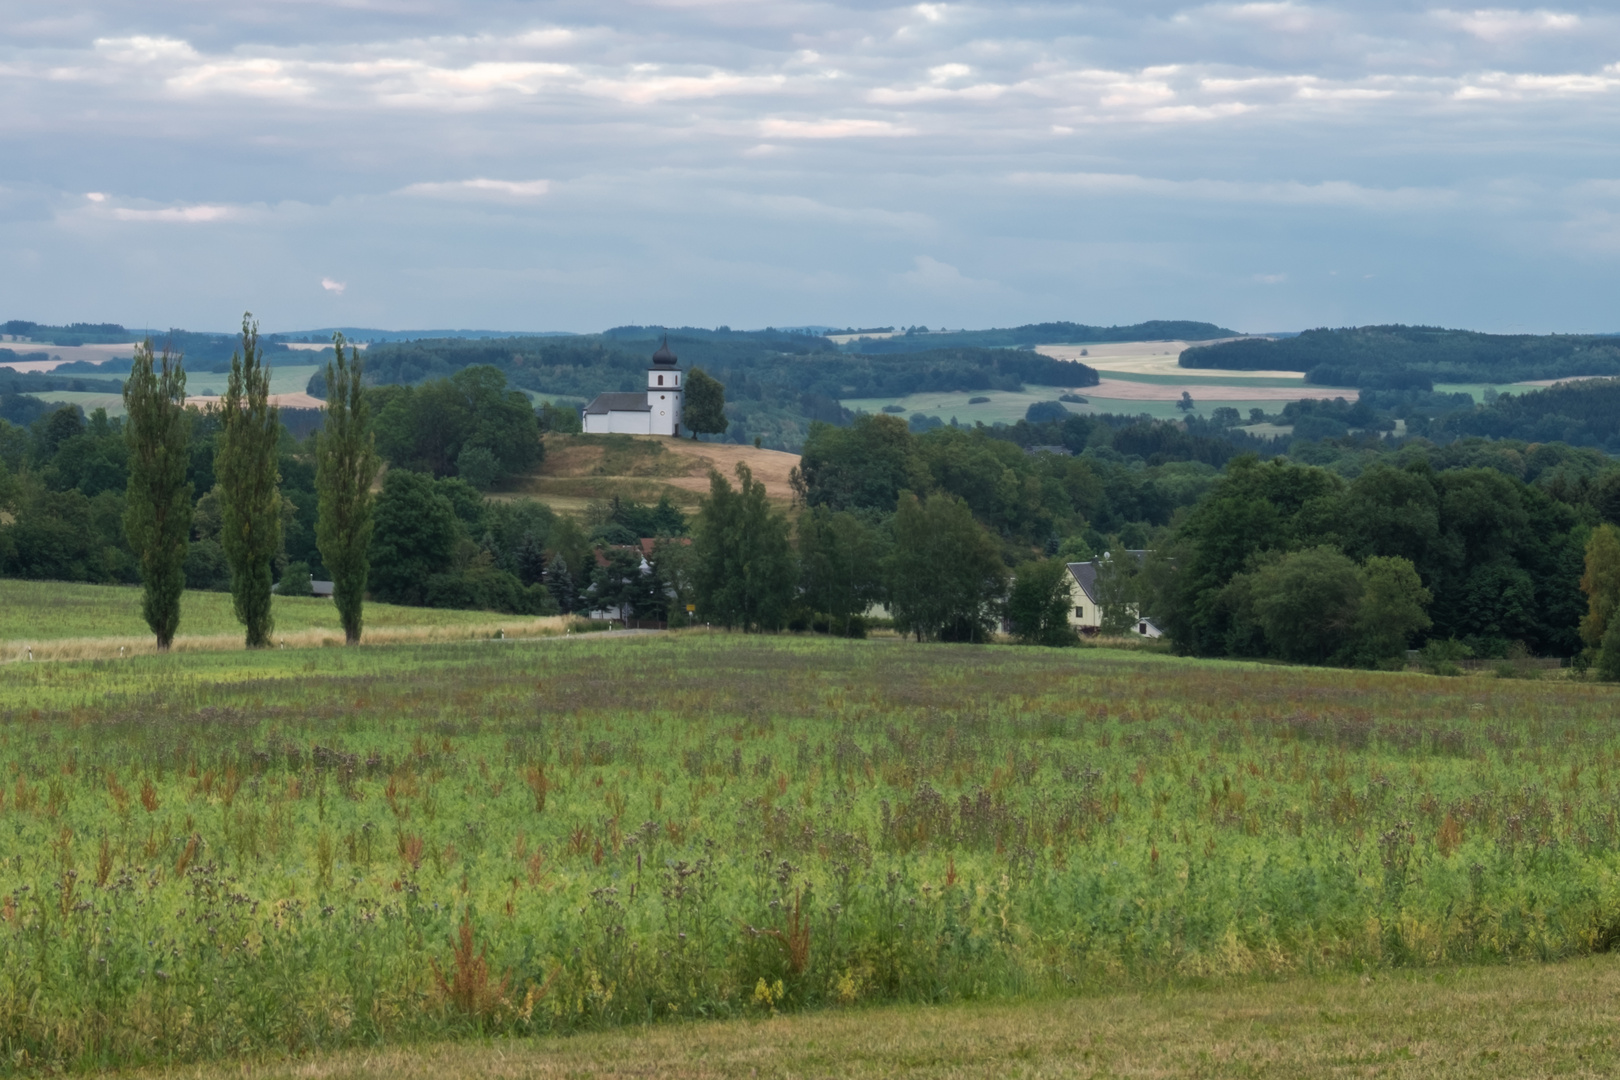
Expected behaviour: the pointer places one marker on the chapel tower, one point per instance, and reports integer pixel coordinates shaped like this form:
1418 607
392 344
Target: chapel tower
664 392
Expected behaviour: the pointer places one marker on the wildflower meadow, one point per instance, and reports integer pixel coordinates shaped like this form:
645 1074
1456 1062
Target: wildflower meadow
211 854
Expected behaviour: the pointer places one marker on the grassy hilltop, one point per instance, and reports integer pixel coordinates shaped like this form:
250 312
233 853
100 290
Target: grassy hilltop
214 854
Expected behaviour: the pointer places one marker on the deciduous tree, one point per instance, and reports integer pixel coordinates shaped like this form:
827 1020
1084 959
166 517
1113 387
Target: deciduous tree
1039 603
945 574
414 537
743 568
704 410
841 564
157 509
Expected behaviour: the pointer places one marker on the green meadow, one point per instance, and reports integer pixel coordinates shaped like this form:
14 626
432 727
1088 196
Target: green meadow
38 612
210 855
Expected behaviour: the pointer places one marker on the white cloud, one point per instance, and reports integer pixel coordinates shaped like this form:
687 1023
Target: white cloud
930 275
1505 24
335 287
480 188
189 215
833 129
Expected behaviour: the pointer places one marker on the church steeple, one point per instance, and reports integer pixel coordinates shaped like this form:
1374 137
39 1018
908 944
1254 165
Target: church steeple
664 392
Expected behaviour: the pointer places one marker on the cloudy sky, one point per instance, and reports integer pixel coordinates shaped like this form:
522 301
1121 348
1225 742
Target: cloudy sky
531 165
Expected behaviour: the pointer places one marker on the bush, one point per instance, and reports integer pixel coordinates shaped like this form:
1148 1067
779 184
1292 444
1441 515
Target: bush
1441 657
978 401
296 581
893 409
483 588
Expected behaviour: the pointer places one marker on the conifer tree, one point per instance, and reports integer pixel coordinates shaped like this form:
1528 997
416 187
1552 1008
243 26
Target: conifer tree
157 512
345 465
249 486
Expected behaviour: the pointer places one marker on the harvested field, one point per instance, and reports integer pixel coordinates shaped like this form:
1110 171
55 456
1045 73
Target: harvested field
580 469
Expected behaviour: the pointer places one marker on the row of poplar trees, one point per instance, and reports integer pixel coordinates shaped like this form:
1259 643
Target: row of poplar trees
157 517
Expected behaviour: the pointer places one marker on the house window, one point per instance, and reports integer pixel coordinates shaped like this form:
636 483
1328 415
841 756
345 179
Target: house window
660 380
1142 629
1079 612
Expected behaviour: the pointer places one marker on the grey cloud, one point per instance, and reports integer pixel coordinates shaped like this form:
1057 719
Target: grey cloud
525 164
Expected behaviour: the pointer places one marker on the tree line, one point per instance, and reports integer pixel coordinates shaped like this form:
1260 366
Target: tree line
1346 550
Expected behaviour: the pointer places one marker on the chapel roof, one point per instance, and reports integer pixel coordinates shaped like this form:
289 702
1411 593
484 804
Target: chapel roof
606 403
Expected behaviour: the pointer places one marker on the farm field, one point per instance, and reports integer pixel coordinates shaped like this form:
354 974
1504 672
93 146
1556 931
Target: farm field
581 469
287 387
212 854
75 620
1136 378
1126 398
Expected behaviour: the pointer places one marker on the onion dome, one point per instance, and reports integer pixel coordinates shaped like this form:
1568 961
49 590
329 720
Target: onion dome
663 355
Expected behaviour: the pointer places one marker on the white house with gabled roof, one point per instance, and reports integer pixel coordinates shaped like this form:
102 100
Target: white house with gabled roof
1085 601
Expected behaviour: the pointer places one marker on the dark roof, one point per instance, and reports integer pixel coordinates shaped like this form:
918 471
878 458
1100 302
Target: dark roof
1085 575
663 355
606 403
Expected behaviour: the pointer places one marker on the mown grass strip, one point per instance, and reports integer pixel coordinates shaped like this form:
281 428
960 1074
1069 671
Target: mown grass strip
1517 1021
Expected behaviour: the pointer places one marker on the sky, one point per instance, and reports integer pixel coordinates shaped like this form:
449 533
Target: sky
573 166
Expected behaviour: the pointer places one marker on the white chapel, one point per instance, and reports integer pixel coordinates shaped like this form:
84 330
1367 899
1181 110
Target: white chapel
656 413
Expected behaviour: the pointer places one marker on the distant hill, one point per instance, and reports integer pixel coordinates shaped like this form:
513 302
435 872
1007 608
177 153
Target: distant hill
366 334
777 382
1051 333
72 334
1415 357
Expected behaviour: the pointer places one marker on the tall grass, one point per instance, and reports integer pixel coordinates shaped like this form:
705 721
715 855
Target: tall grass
210 853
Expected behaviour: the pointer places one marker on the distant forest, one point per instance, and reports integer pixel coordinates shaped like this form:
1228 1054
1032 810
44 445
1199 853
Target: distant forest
1415 357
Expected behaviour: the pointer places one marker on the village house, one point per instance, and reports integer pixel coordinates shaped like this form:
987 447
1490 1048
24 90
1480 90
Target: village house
1085 600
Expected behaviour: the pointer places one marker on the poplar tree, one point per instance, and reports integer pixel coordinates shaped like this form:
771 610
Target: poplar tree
249 486
345 465
157 510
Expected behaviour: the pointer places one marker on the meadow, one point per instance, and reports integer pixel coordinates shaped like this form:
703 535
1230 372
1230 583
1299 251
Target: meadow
217 854
73 620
